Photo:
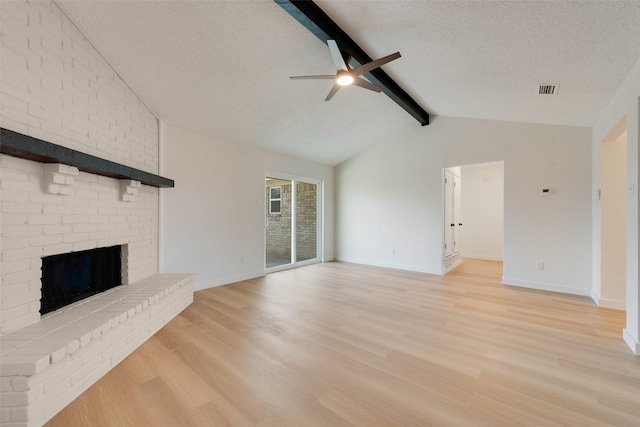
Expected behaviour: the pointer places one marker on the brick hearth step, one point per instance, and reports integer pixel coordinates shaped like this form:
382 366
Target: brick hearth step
44 366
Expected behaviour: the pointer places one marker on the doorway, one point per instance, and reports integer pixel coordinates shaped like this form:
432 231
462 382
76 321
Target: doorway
612 196
477 214
292 222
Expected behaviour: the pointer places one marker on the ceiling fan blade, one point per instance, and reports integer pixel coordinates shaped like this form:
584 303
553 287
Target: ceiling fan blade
323 77
365 68
365 84
333 91
337 56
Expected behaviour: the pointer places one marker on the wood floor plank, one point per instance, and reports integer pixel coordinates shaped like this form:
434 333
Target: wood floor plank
339 344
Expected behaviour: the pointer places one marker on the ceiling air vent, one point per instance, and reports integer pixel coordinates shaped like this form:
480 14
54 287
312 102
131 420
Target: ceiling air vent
547 89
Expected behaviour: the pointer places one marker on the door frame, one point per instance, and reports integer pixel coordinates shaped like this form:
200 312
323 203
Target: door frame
600 281
453 261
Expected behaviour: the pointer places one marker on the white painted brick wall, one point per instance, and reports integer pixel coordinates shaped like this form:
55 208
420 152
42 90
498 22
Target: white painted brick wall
36 224
55 86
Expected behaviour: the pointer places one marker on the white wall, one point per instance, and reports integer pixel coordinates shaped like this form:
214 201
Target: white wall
625 103
482 211
215 214
391 197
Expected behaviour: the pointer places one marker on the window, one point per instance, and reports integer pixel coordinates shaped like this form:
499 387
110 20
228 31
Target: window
275 200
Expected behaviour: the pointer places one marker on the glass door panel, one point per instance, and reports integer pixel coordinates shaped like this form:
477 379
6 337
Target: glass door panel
278 222
306 221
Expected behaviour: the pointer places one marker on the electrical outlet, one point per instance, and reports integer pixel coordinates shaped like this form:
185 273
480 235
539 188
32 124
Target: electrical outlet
539 265
393 251
241 260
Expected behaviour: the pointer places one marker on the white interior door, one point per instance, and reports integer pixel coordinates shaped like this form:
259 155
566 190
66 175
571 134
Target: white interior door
457 209
452 210
448 213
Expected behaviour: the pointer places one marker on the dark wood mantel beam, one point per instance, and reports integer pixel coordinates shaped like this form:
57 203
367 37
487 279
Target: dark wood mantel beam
30 148
319 23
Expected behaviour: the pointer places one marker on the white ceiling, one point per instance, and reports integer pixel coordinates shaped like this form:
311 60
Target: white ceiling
223 67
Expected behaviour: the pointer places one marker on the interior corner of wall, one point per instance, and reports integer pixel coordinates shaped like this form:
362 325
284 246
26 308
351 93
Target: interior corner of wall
632 342
595 297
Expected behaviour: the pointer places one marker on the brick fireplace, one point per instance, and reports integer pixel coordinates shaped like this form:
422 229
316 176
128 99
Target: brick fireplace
57 87
47 360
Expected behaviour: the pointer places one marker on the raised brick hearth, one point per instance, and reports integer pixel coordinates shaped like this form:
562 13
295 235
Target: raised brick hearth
46 365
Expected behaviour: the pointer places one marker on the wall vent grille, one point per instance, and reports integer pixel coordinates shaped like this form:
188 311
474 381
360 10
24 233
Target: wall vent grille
547 89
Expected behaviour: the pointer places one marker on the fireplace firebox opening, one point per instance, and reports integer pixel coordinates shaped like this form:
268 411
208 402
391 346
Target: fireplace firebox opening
71 277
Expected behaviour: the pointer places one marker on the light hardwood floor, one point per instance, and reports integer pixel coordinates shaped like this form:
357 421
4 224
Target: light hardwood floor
339 344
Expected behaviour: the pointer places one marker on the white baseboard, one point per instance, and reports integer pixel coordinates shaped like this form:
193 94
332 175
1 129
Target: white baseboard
541 286
614 304
483 257
200 285
445 270
395 266
631 342
607 303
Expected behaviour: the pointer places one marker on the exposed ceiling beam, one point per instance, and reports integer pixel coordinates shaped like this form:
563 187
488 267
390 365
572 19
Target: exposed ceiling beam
319 23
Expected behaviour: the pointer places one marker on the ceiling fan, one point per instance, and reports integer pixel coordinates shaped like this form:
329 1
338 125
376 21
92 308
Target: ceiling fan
346 75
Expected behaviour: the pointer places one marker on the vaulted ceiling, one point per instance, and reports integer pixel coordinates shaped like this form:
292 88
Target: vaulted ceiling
222 67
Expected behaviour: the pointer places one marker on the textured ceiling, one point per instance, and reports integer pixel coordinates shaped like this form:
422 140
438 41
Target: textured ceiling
222 67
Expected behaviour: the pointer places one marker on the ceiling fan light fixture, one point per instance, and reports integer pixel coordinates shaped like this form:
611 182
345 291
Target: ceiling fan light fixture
346 75
345 79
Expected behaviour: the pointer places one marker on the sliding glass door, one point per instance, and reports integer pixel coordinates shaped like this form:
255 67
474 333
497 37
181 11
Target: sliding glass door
291 222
